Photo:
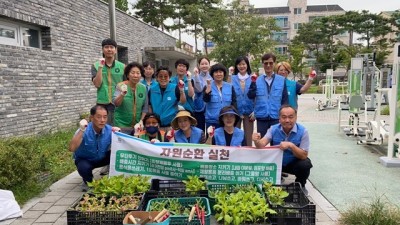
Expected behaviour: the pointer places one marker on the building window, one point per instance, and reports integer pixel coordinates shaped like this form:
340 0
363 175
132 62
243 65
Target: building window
297 11
281 50
282 22
280 37
19 34
297 26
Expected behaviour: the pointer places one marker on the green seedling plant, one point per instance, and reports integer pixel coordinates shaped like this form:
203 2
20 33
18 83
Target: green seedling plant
92 203
120 185
247 206
195 184
276 195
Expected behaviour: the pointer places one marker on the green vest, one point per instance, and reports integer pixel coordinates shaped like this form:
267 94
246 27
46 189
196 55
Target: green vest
130 110
111 77
160 137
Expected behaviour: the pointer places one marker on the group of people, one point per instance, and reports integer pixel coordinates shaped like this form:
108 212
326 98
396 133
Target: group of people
212 104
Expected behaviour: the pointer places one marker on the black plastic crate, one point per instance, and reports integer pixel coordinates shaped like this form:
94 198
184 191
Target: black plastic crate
298 209
168 185
75 217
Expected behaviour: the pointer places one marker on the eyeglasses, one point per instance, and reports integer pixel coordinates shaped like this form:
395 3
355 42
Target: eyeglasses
268 63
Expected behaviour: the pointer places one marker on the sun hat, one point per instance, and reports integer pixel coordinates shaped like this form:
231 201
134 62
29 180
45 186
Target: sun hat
183 113
229 110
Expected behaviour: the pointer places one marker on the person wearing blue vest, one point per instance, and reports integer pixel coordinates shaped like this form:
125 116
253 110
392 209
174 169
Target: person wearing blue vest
269 93
149 78
164 97
200 78
241 81
91 144
294 88
182 74
293 139
185 128
228 134
217 94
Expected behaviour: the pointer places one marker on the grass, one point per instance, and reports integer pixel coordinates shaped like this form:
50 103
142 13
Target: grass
314 89
31 164
378 211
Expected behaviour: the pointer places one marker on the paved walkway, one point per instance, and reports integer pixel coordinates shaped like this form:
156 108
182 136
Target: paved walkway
50 208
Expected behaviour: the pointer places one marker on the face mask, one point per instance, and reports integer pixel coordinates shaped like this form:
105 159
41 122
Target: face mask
152 129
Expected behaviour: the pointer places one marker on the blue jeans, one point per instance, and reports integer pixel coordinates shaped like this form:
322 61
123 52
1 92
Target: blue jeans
85 167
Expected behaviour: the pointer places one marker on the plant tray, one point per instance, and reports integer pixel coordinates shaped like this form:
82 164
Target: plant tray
75 217
171 194
186 202
231 188
298 210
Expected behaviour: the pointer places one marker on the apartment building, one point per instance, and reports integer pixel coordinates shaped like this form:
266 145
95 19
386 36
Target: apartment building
392 35
291 17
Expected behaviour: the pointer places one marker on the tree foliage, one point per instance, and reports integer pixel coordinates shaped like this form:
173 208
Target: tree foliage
239 33
122 5
155 12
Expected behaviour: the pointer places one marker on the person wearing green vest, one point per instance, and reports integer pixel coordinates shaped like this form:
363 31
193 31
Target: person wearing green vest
106 74
130 99
293 88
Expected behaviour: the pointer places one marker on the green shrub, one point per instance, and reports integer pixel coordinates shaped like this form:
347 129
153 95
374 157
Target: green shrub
19 162
379 211
24 162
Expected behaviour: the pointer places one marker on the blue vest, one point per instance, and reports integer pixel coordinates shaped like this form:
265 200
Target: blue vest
278 135
153 83
165 106
245 106
292 94
218 101
94 146
189 100
195 136
237 137
198 102
267 102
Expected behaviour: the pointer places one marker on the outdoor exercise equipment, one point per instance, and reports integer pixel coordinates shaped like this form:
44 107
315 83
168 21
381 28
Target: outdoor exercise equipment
356 103
328 89
377 131
393 157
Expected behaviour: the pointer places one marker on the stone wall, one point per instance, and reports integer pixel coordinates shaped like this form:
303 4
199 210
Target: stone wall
47 89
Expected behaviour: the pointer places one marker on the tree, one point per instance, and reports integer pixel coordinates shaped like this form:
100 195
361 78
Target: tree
122 5
296 50
240 33
155 12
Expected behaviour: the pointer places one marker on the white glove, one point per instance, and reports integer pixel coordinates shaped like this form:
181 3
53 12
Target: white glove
115 129
170 135
102 62
123 88
181 85
154 141
138 128
196 71
231 70
210 131
83 124
189 76
252 118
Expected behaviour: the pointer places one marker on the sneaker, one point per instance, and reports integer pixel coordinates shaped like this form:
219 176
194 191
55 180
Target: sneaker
104 170
85 187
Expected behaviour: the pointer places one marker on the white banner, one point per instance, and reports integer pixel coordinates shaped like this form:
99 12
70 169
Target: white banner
217 164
